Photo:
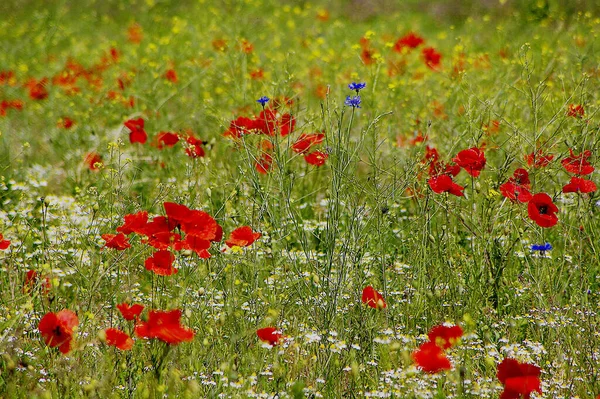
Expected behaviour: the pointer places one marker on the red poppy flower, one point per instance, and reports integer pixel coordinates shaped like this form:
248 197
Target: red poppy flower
137 134
580 185
130 312
171 75
194 150
520 177
134 223
93 160
519 379
263 165
538 159
433 59
270 335
165 326
542 210
242 125
242 237
287 124
4 244
409 41
37 89
65 123
576 111
472 160
116 241
445 336
166 139
118 339
444 184
305 141
161 263
515 192
431 358
437 168
578 164
57 329
372 298
32 279
316 158
193 243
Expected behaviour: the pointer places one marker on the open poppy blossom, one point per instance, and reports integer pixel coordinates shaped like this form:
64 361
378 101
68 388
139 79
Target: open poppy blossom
430 358
161 263
118 339
65 123
445 184
134 223
305 141
37 89
194 148
409 41
242 237
93 160
316 158
263 165
270 335
137 134
472 160
433 58
579 185
519 379
542 210
538 159
445 336
171 75
167 139
130 312
4 244
576 111
57 329
165 326
116 241
578 164
32 279
372 298
517 187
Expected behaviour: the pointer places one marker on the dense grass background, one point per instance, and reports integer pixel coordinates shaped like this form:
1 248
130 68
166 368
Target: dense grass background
367 217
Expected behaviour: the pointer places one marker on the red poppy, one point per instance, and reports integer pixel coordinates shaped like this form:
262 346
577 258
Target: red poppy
242 237
193 243
118 339
57 329
372 298
305 141
137 134
171 75
166 139
578 164
263 165
316 158
194 150
93 160
472 160
161 263
165 326
444 184
409 41
542 210
246 46
580 185
116 241
135 33
130 312
270 335
445 336
538 159
431 358
519 379
4 244
134 223
433 59
576 111
65 123
515 192
242 125
37 90
32 279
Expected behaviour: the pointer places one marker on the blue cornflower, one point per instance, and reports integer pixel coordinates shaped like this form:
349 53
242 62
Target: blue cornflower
353 101
263 100
357 86
541 247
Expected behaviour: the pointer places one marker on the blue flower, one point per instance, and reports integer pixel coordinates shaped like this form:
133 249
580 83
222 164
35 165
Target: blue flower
353 101
541 247
263 100
357 86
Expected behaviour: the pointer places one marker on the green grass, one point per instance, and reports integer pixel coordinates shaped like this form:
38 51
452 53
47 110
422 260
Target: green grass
366 217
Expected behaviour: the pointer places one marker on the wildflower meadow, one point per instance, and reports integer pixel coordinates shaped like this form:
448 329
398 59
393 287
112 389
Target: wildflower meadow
299 199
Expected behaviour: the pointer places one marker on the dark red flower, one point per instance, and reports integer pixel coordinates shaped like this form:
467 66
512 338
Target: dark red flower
433 59
130 312
242 237
287 124
472 160
372 298
93 160
4 244
576 111
519 379
194 149
166 139
171 75
37 89
161 263
134 223
445 336
316 158
444 184
542 210
579 185
118 339
263 165
137 134
305 141
431 358
578 164
538 159
165 326
409 41
119 241
270 335
57 329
